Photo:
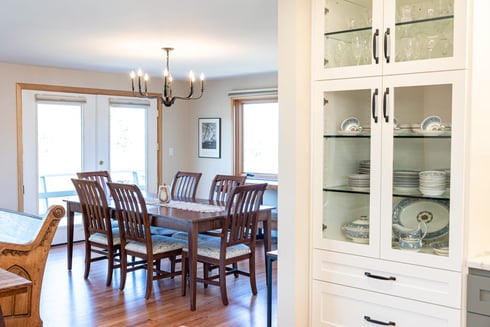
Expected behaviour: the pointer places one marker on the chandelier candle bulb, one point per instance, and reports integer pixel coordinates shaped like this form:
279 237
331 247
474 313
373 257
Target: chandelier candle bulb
132 75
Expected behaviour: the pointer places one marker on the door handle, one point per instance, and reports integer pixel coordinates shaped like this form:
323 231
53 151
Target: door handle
386 45
374 107
385 104
375 46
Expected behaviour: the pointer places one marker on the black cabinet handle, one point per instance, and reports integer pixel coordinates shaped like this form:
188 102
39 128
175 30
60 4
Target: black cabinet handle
385 104
377 322
375 46
368 274
386 48
374 112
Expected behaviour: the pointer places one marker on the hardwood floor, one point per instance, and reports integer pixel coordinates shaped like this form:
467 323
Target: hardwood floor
67 299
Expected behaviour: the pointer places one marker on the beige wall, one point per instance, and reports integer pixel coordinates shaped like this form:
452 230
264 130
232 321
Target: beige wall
179 121
215 104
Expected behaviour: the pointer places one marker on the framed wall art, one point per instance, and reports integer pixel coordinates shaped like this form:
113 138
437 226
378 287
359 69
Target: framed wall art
209 138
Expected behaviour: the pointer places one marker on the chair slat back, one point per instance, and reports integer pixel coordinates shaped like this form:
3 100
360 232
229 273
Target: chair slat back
241 214
223 185
184 185
101 176
131 212
95 209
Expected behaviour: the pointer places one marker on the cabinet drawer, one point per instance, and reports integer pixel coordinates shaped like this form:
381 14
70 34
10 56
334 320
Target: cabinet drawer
479 294
336 305
436 286
476 320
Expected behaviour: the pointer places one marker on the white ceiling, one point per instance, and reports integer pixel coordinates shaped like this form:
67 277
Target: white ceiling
217 37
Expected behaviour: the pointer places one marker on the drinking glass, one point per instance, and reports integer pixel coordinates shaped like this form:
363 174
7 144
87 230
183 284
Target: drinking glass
357 49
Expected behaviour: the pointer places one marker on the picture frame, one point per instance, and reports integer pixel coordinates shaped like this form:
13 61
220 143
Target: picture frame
209 137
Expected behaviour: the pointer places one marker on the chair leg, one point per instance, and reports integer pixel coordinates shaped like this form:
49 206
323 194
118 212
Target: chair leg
124 270
251 267
206 269
222 283
149 278
235 267
88 258
184 274
110 267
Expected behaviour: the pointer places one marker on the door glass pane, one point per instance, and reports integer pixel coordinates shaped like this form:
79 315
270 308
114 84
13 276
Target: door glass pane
421 168
128 144
424 29
59 151
348 32
346 170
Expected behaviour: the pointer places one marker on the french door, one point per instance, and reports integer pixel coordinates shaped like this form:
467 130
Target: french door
63 133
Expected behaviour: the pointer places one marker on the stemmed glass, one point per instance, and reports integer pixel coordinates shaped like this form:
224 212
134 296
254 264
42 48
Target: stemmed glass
339 53
357 49
430 43
410 45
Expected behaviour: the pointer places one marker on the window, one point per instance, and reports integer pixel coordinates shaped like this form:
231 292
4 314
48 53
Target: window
256 137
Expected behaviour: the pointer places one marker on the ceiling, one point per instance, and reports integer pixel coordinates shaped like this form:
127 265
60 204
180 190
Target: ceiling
217 37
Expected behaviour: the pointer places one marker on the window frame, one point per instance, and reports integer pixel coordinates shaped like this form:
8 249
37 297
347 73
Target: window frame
237 105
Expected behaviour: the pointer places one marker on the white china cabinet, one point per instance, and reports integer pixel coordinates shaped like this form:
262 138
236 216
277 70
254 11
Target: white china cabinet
389 93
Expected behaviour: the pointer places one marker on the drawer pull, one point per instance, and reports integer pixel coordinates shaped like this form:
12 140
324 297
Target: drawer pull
377 322
368 274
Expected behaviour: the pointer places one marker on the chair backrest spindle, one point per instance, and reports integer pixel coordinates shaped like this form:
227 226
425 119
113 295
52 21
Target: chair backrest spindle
223 185
100 176
184 185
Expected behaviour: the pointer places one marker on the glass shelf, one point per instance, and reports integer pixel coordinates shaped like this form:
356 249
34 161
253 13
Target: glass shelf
425 20
396 136
414 195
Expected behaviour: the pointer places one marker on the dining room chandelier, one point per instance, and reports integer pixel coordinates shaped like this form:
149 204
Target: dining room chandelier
167 97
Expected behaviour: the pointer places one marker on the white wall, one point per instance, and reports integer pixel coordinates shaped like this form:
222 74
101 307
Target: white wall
294 164
179 121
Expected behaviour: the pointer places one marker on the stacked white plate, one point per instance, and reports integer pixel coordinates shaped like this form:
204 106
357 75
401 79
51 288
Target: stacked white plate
405 180
364 167
359 182
432 182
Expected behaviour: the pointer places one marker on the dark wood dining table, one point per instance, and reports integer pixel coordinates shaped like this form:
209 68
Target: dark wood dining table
192 222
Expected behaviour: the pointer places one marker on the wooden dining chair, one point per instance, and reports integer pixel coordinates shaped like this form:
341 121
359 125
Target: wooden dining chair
137 240
101 238
100 176
184 185
236 242
222 186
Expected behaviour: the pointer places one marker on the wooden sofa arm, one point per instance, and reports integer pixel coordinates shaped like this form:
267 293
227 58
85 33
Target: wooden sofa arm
25 241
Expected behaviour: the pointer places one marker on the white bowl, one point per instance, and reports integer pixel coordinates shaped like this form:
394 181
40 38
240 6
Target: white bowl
350 124
431 123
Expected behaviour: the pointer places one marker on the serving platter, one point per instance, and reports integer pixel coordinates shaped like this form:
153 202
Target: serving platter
435 213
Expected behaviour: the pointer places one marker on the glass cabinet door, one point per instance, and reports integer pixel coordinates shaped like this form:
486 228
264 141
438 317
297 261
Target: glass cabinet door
423 29
419 175
348 33
348 142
